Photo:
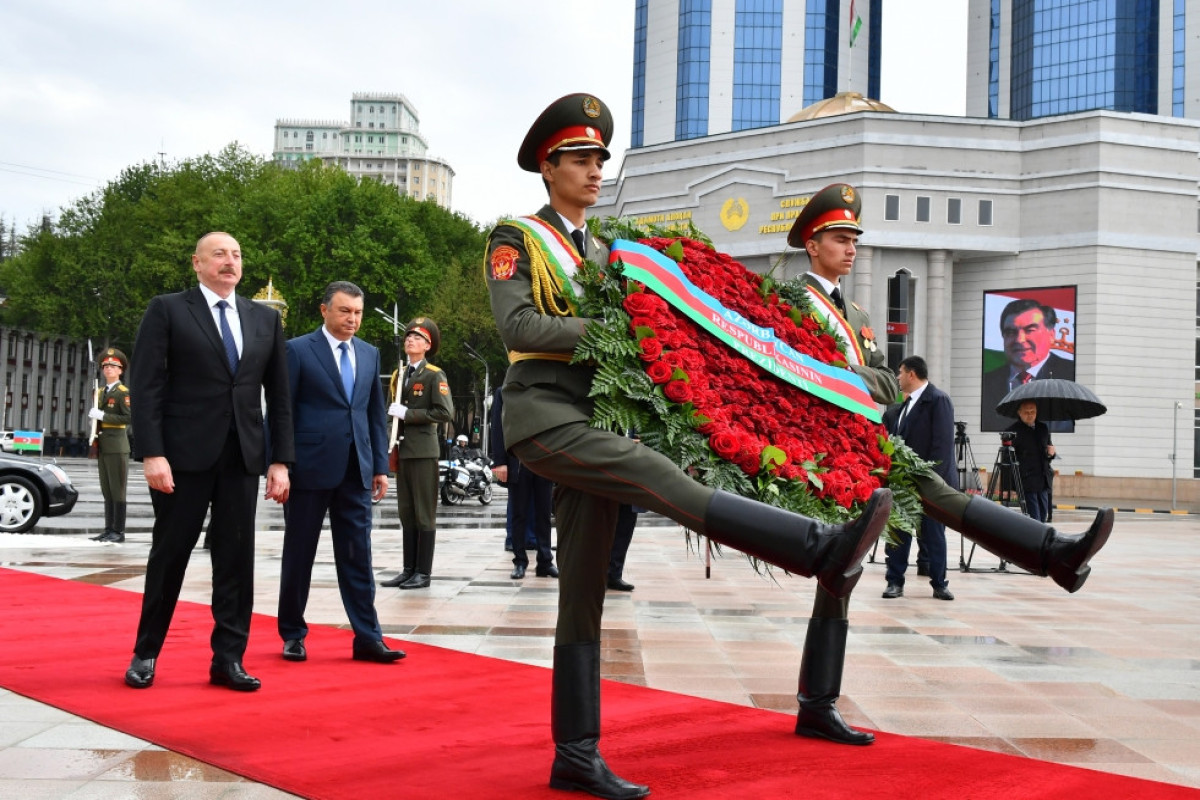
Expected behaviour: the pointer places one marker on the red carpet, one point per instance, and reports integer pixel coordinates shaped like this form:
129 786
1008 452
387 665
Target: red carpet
447 724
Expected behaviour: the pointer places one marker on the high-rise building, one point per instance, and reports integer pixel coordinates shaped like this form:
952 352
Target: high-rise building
1028 59
382 141
702 67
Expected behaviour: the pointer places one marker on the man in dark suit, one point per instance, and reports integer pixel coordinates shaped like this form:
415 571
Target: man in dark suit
530 265
529 501
1027 327
926 423
341 466
203 361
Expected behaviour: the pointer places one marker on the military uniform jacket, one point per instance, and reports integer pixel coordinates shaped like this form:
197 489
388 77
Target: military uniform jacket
881 382
541 390
112 435
427 395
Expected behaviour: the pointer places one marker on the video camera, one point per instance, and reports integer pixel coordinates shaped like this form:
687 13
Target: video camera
1007 438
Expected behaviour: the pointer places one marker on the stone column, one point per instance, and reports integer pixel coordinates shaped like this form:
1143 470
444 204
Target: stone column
937 328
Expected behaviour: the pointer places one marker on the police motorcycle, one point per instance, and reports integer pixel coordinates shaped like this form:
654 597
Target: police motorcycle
465 474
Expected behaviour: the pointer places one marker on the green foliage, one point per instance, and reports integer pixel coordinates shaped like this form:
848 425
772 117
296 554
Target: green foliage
93 273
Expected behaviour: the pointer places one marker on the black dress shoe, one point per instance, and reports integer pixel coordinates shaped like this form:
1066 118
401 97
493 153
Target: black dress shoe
618 585
417 581
101 537
893 591
942 594
232 675
547 572
140 674
293 650
399 579
378 652
518 572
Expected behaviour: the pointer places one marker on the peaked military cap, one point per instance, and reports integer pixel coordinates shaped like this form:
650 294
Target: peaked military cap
835 206
428 330
574 122
114 356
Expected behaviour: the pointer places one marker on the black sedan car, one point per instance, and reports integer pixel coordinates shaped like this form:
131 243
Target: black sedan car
30 490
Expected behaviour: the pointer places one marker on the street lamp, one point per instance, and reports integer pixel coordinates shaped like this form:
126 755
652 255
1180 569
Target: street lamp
487 393
1174 448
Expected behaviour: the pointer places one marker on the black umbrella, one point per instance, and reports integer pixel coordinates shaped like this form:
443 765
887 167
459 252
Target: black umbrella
1056 399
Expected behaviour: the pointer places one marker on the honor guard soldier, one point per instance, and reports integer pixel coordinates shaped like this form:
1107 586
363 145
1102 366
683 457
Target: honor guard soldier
530 268
112 416
421 402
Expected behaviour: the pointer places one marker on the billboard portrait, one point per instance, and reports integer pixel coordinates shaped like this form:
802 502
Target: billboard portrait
1028 334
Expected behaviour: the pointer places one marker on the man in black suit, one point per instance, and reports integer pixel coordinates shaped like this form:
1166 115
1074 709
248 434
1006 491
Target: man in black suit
1028 330
341 466
926 423
203 361
530 498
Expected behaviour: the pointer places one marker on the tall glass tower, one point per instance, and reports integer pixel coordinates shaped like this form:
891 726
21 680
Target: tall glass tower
713 66
1048 57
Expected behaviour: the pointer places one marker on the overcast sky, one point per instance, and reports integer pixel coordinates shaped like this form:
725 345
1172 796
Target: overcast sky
89 87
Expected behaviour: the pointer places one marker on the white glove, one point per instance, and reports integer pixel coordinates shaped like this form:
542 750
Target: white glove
397 410
95 413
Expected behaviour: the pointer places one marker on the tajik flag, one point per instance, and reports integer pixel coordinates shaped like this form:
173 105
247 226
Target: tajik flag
855 23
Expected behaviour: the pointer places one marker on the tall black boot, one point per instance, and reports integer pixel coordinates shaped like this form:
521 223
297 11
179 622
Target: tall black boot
118 524
408 541
803 546
420 578
821 684
575 725
108 523
1033 545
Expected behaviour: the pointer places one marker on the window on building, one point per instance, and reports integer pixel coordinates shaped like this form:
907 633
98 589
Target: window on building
985 212
901 297
308 137
370 124
954 211
891 207
370 139
922 209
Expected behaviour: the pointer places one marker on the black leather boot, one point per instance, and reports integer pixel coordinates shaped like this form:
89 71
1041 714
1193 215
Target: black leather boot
424 550
108 524
1032 545
118 527
803 546
575 724
409 554
821 684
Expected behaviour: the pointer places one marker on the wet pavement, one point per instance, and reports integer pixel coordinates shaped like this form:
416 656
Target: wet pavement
1107 679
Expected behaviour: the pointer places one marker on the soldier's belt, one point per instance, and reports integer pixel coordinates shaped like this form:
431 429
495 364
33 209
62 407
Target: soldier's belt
112 427
515 355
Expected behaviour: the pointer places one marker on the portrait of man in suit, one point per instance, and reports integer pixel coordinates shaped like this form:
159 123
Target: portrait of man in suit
341 466
1028 331
204 360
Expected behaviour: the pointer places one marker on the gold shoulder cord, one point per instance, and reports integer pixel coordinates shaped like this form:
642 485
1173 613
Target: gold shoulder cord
548 295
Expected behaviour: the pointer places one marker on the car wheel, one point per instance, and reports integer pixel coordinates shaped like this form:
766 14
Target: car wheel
20 504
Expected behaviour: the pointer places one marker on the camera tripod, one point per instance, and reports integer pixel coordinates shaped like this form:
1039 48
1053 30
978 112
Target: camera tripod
1004 485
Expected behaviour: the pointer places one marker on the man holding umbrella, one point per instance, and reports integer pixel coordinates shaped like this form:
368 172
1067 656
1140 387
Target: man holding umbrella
1033 448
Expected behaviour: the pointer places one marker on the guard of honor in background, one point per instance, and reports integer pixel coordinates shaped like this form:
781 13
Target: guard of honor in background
111 416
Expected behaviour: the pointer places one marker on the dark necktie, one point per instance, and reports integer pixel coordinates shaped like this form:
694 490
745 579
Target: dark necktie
903 414
347 371
231 352
580 245
836 297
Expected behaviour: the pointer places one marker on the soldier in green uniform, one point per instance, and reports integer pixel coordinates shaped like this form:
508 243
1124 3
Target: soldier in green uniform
421 402
112 416
827 229
529 268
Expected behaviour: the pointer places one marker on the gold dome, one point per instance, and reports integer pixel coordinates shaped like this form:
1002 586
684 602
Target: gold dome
840 103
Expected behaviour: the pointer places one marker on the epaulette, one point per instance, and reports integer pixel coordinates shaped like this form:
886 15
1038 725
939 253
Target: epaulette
432 368
122 387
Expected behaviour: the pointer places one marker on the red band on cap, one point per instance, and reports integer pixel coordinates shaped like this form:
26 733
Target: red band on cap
835 218
574 135
424 333
108 361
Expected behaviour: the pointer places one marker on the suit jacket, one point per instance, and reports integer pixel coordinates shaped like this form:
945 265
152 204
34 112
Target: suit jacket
995 387
427 395
541 391
881 381
187 397
928 429
326 422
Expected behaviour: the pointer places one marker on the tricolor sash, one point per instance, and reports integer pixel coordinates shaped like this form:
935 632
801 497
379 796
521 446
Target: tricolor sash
829 312
837 385
556 251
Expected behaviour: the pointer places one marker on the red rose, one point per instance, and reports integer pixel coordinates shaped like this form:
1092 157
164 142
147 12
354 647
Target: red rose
678 391
642 304
651 348
660 371
725 443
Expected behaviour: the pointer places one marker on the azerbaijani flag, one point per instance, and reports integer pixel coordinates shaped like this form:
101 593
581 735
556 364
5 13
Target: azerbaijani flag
855 23
27 440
